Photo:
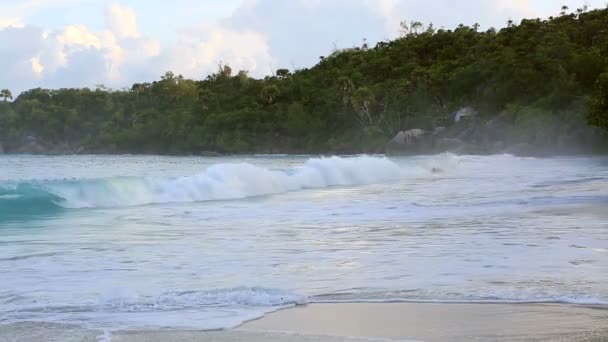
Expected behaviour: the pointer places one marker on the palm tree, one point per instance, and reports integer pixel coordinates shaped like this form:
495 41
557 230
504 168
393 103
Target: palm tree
6 94
564 10
415 26
270 93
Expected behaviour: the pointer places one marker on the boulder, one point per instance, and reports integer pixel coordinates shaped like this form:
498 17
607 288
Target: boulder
31 148
398 141
411 141
31 145
413 136
465 112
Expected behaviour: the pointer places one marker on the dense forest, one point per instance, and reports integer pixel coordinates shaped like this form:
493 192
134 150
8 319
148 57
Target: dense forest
546 78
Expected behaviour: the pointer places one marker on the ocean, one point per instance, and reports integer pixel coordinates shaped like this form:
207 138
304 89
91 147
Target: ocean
157 242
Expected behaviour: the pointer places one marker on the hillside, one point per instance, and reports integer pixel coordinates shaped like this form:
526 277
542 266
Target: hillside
539 83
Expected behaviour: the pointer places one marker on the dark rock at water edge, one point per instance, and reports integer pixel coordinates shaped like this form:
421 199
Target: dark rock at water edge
210 154
470 134
32 145
412 141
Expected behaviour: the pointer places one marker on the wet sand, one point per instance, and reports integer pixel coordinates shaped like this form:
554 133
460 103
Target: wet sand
369 322
443 322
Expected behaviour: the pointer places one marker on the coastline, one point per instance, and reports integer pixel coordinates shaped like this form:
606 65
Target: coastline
212 154
368 322
441 321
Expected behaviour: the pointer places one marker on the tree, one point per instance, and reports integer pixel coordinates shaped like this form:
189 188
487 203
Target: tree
6 94
282 73
269 93
410 28
227 71
598 111
362 100
243 77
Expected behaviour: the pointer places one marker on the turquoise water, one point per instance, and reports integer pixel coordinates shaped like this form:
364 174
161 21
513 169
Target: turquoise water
132 242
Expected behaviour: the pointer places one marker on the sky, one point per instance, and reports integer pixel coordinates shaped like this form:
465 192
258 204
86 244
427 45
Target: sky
85 43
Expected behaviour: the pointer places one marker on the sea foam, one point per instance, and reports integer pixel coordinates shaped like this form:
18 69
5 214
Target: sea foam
218 182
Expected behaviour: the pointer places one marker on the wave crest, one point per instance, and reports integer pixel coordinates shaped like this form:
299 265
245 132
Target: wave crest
218 182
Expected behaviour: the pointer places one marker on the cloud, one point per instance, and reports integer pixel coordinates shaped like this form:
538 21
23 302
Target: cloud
200 49
10 22
121 21
68 57
17 47
299 31
76 56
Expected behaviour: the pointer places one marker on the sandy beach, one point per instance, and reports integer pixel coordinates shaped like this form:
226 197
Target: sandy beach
369 322
442 322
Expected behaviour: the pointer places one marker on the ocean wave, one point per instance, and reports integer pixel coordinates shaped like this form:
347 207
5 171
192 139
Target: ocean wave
218 182
174 300
121 308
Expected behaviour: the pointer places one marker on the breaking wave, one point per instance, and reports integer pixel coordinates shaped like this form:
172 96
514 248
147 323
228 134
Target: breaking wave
218 182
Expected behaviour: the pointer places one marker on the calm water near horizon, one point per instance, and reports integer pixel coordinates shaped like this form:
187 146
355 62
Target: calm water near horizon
136 242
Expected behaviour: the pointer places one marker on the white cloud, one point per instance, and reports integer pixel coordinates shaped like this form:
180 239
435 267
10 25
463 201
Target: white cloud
36 66
10 22
199 50
76 56
299 31
121 21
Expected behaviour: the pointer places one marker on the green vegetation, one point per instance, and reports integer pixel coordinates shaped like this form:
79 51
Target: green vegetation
544 74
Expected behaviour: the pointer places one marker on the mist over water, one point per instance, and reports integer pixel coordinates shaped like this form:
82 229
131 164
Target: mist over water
120 242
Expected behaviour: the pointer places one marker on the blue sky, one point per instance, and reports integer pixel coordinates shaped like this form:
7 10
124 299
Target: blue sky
74 43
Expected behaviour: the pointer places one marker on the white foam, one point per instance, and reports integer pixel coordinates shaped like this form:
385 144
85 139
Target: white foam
121 308
129 301
228 181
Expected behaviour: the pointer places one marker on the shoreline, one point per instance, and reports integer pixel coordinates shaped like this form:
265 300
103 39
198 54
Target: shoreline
310 153
428 321
337 322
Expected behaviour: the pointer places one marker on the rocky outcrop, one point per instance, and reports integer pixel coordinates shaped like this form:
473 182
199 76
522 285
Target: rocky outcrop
33 145
464 113
411 141
470 134
30 145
